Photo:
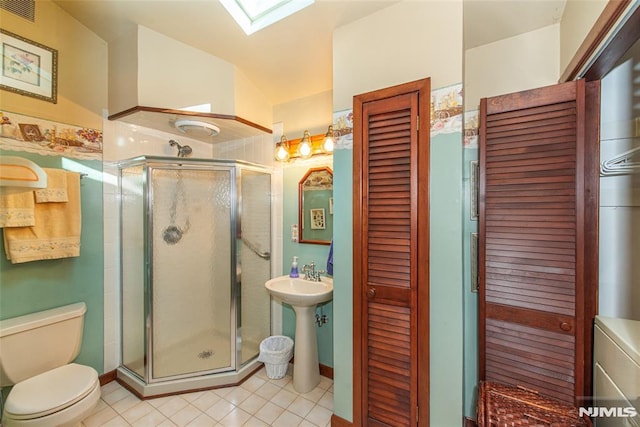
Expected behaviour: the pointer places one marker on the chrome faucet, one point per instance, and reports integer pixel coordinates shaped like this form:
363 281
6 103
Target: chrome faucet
310 272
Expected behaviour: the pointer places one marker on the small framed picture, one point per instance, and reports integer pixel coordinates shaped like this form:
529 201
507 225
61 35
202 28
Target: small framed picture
28 68
30 132
317 219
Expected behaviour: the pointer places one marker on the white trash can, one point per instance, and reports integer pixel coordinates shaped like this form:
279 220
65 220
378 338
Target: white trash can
275 353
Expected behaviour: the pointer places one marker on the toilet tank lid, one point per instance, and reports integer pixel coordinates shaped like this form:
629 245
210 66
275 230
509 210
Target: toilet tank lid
41 318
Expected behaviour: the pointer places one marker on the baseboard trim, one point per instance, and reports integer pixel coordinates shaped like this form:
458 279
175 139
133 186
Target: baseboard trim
326 371
107 377
336 421
468 422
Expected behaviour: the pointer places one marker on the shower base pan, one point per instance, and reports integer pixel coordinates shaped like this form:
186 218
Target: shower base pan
185 385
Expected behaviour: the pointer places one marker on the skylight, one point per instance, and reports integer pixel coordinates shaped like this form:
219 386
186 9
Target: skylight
254 15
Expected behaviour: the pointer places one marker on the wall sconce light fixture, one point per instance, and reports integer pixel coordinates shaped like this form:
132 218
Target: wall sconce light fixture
305 147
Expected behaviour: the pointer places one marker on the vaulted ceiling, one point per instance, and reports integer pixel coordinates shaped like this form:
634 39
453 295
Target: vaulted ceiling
293 58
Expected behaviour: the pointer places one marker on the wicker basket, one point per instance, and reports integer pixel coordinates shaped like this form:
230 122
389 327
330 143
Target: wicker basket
502 405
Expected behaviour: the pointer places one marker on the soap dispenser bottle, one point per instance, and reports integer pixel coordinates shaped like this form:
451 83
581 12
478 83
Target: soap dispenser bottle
294 268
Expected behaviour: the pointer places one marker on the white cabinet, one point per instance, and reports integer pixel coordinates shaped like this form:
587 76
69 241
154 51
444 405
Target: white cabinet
617 371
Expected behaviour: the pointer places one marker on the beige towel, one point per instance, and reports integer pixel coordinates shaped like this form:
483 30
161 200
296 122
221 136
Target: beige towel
56 233
16 207
56 190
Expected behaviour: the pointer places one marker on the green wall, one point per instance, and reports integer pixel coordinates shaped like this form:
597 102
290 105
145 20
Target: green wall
446 281
470 298
445 277
40 285
343 283
306 253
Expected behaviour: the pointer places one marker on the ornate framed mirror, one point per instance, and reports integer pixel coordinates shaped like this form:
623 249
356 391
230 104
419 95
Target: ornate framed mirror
315 206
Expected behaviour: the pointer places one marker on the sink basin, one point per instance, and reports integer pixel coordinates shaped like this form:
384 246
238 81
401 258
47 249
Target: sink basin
301 292
303 295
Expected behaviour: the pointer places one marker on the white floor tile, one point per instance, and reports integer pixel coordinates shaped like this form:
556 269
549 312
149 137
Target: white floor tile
220 409
185 415
257 402
283 398
203 421
173 405
152 419
326 401
235 418
269 412
287 419
137 411
100 418
319 416
301 406
206 401
268 391
252 404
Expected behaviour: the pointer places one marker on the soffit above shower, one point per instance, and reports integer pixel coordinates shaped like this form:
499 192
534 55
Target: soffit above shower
163 119
155 81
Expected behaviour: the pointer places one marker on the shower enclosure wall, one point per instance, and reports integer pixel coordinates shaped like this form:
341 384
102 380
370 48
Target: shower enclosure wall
196 238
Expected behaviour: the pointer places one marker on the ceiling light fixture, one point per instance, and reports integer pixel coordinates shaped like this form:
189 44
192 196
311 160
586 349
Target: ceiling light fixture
254 15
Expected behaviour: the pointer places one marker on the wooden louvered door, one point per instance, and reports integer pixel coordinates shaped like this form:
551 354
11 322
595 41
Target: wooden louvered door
538 238
391 247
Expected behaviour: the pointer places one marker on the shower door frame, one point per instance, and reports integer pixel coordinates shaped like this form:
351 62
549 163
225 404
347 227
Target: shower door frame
235 168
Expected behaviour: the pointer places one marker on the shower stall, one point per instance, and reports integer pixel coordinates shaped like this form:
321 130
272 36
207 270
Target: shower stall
195 254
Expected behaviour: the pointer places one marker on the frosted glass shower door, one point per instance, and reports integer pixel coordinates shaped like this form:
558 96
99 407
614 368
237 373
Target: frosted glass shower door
254 319
191 271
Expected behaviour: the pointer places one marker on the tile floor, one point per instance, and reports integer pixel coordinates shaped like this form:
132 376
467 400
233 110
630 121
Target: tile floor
259 401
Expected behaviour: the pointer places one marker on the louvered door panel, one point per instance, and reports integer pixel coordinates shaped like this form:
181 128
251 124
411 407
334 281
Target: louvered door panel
386 269
532 233
538 188
388 274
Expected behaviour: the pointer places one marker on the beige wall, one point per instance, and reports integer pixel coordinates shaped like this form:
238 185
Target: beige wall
312 113
162 72
401 43
577 19
172 74
82 67
518 63
123 72
251 103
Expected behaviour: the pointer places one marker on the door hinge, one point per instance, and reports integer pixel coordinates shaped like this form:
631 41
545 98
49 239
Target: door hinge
417 414
417 123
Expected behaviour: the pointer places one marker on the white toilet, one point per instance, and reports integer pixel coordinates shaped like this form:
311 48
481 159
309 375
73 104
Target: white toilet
35 355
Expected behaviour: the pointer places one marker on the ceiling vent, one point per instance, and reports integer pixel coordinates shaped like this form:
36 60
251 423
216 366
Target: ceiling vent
23 8
197 128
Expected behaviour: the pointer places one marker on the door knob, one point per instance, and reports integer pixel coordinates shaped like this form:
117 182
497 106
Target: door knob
371 293
565 326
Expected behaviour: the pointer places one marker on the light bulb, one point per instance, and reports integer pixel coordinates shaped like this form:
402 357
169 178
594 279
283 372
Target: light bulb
328 145
305 149
305 146
282 152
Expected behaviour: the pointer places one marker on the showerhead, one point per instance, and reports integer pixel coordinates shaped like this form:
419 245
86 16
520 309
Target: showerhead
183 150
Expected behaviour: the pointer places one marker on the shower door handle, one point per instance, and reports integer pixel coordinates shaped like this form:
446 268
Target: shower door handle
264 255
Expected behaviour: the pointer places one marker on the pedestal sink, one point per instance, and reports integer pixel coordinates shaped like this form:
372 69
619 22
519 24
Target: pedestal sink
303 295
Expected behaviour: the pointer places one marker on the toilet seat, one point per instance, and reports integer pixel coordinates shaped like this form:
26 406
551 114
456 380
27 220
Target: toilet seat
51 392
